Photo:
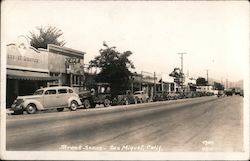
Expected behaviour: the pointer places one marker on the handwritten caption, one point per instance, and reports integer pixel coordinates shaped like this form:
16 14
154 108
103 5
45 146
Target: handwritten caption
127 148
207 146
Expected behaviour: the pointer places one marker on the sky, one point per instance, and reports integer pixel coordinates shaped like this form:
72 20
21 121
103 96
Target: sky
214 35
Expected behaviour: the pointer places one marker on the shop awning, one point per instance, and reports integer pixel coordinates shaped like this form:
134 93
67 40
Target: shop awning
28 75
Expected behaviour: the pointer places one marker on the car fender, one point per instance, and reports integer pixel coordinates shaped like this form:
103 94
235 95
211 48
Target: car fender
38 105
74 99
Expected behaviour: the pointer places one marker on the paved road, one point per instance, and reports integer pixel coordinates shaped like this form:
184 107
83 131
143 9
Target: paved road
199 124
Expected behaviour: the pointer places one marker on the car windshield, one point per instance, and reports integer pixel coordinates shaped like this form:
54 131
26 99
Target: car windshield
38 92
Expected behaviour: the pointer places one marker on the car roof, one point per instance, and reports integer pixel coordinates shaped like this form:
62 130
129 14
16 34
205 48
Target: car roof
56 87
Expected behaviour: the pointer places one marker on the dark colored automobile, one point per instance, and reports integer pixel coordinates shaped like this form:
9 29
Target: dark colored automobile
124 98
228 92
98 93
159 96
242 93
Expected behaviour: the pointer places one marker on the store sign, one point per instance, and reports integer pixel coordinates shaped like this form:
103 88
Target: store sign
21 56
72 61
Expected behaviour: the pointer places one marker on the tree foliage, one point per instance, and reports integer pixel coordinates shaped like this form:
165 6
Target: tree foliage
176 73
201 81
114 68
44 36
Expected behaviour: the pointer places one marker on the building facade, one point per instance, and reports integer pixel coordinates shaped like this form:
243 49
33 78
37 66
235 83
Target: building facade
29 69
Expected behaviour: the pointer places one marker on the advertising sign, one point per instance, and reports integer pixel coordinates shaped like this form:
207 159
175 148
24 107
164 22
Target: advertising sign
21 56
72 61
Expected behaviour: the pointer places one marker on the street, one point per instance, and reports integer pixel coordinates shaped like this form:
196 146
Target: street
185 125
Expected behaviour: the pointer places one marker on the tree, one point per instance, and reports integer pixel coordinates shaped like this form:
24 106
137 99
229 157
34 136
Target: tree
46 35
218 86
201 81
179 76
114 68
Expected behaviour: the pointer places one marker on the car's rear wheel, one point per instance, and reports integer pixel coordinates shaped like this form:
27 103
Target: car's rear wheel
60 109
127 102
135 101
31 108
86 104
73 106
106 102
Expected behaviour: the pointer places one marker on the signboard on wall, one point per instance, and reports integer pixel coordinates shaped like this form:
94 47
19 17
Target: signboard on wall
21 56
72 61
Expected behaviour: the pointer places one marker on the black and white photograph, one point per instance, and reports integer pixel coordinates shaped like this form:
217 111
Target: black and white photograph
124 80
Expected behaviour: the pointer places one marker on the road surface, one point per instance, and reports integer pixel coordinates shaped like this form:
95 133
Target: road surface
189 125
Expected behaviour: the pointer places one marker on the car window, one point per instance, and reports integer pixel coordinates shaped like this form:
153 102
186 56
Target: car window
51 91
38 92
62 91
71 91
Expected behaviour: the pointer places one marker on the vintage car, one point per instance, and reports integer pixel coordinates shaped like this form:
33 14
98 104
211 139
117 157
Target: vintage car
229 92
47 98
97 93
221 93
124 98
141 96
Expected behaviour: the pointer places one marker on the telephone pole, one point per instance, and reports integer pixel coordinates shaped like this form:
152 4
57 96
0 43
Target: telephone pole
182 61
207 76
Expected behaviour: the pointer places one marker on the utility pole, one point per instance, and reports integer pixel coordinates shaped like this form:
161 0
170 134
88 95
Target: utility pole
182 79
227 83
154 85
182 61
207 75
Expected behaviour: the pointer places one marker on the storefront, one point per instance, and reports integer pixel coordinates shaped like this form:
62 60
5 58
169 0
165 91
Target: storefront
29 69
68 67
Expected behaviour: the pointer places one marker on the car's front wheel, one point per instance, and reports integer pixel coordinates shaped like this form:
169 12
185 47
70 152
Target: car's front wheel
73 106
106 102
31 108
127 102
86 104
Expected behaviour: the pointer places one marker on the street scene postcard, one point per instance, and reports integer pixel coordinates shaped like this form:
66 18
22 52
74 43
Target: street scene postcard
124 80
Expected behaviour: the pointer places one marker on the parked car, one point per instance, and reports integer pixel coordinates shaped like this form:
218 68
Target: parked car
172 96
124 98
221 93
242 93
141 96
97 93
229 92
47 98
159 96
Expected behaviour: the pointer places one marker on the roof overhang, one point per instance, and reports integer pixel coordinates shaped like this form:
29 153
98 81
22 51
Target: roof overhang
65 51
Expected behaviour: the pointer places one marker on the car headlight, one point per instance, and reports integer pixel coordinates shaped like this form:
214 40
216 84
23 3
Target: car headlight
15 102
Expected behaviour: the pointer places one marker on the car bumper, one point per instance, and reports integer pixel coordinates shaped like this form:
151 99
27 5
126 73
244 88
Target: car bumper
16 108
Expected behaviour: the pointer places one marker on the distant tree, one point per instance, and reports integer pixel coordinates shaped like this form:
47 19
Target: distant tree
178 75
46 35
201 81
114 68
218 86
